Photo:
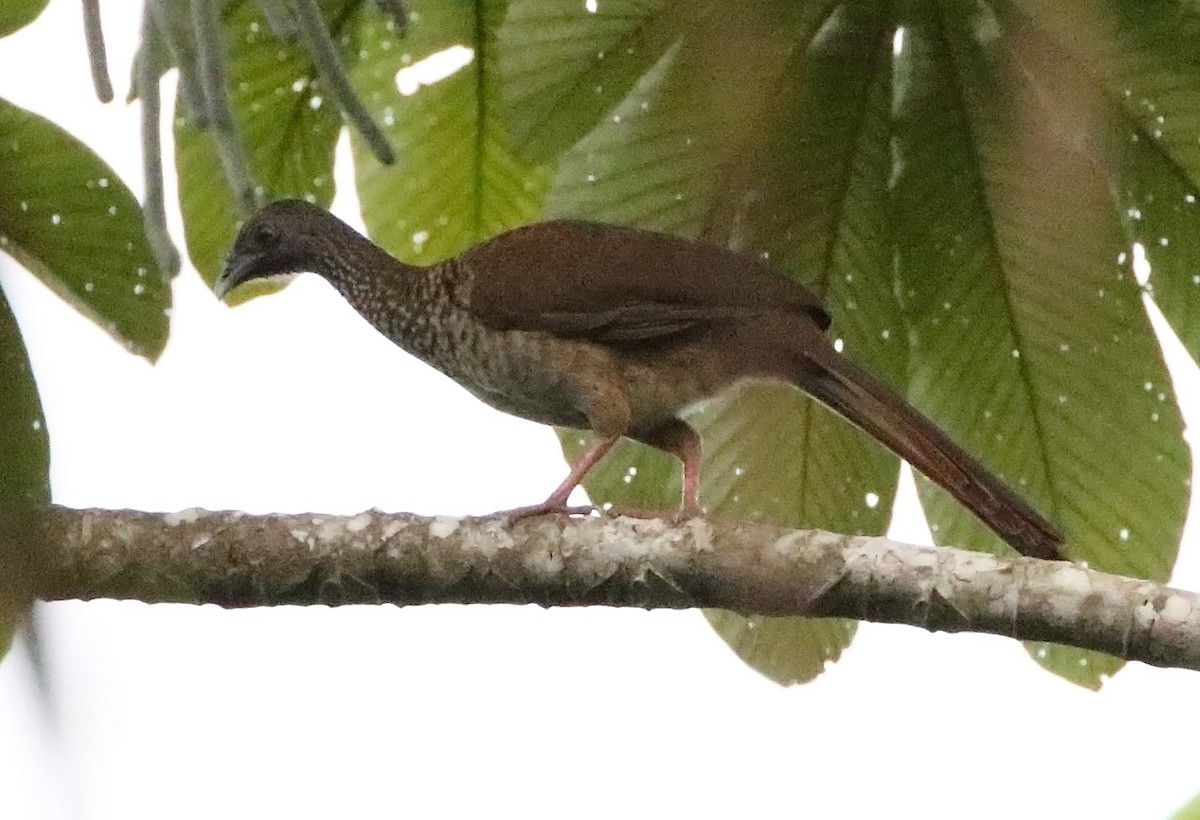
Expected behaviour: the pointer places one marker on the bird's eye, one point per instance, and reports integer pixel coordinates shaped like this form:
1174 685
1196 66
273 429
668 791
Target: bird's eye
264 236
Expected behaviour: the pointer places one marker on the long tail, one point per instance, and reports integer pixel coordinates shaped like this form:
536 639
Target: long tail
868 403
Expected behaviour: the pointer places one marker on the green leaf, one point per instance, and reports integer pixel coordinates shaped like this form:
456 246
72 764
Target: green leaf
16 14
802 180
1191 811
812 198
456 181
68 218
287 124
1082 667
656 159
1161 215
24 475
1143 55
1029 340
24 447
563 67
785 650
1144 114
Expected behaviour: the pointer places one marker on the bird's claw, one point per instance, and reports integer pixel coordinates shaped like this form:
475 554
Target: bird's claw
675 517
546 508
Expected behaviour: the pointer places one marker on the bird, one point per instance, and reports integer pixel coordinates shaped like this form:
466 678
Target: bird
620 331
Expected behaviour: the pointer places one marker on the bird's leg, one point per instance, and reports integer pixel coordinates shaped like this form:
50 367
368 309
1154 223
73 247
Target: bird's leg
557 502
680 440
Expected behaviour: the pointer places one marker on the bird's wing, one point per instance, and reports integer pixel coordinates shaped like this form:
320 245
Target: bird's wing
617 284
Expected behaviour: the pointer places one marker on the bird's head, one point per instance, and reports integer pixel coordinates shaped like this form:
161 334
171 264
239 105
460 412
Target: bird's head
285 237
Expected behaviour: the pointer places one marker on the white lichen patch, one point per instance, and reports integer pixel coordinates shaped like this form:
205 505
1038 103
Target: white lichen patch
701 532
640 546
188 516
802 545
330 529
598 546
359 522
969 565
1144 613
1175 609
488 539
546 563
1070 586
390 529
443 526
1072 580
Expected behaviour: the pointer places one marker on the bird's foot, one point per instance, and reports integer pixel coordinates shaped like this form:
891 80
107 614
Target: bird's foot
546 508
678 516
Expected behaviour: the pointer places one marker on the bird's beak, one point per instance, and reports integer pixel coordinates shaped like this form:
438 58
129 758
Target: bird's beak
234 274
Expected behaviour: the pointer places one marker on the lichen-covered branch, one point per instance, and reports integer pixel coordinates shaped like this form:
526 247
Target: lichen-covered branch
236 560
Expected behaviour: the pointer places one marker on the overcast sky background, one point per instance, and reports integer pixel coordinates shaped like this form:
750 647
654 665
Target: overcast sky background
292 403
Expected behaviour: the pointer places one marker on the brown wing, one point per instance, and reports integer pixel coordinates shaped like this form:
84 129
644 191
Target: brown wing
620 284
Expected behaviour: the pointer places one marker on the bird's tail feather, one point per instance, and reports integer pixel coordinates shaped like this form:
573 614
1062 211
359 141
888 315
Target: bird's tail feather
869 404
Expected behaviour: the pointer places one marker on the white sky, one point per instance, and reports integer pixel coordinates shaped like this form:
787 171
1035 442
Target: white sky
292 403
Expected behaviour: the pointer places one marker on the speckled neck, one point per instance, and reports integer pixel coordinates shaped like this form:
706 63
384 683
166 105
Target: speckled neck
397 298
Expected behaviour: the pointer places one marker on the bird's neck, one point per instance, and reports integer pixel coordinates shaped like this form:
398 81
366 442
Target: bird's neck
371 280
394 296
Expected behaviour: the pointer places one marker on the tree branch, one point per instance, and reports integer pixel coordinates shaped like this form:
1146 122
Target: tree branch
234 560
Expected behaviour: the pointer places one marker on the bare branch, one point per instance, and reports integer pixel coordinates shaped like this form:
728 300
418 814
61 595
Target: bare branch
235 560
329 65
97 55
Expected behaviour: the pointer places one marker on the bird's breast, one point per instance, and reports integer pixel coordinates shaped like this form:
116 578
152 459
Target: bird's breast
518 373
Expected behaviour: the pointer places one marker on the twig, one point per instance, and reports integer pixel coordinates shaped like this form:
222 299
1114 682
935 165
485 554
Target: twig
397 11
281 19
97 56
179 42
210 49
325 57
154 207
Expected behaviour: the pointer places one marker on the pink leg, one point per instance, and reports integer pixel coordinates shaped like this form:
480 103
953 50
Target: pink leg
689 454
680 440
557 502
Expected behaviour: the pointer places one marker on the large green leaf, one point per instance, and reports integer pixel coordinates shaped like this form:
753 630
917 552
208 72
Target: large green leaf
456 181
24 474
1142 54
68 218
812 197
1029 340
800 177
24 447
1190 811
16 14
564 65
287 126
1132 70
656 160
